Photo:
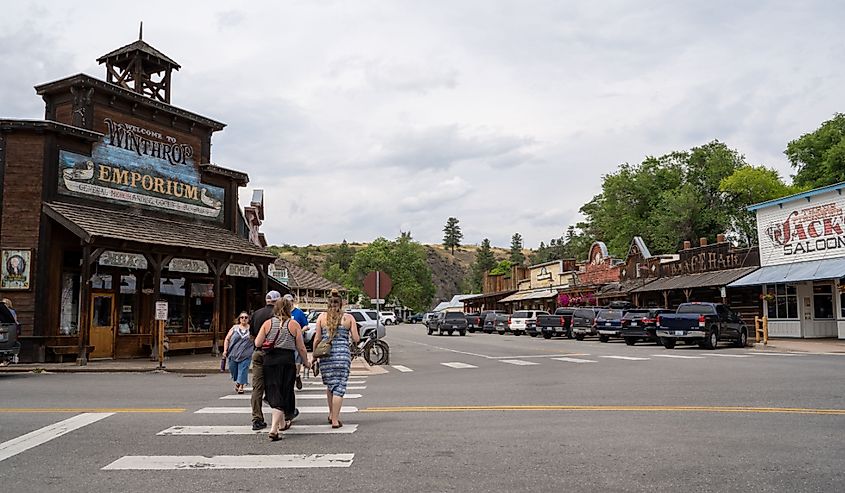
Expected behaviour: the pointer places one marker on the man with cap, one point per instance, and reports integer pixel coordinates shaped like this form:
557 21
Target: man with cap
302 319
256 320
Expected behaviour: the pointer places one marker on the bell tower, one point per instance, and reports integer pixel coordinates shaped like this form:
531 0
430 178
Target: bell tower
141 68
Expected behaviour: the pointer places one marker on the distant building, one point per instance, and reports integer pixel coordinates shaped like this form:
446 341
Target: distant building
311 290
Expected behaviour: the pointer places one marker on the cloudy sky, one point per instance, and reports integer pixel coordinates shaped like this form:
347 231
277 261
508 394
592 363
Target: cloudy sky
367 118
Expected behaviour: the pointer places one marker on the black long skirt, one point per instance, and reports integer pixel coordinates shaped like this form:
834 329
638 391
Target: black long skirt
279 379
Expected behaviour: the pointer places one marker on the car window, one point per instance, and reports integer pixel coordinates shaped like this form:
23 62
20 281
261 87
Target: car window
358 316
564 311
372 315
610 314
454 316
697 309
584 313
521 314
633 314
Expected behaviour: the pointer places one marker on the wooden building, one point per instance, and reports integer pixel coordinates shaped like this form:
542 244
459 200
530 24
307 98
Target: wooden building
311 290
111 203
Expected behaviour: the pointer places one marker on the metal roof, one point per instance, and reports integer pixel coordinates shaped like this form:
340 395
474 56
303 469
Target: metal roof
831 268
797 196
717 278
537 294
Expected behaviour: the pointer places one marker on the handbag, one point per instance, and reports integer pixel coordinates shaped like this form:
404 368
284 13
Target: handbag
324 347
222 364
267 345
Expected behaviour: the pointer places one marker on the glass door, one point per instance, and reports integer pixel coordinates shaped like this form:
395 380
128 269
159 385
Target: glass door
102 325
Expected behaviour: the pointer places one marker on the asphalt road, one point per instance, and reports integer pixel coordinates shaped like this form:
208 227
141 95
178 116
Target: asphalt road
504 415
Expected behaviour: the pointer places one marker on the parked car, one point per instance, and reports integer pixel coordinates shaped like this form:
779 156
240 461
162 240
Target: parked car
388 318
427 317
640 324
448 323
609 323
474 322
368 321
584 322
416 318
502 323
525 321
9 345
308 332
488 320
557 324
705 323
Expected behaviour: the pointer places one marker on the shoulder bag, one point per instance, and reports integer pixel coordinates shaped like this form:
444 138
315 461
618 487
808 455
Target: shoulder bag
267 345
324 347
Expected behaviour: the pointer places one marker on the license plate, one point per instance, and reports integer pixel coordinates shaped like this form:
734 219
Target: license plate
679 332
633 324
607 324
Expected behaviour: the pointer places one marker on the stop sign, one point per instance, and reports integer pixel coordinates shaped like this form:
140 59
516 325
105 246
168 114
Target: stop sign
384 284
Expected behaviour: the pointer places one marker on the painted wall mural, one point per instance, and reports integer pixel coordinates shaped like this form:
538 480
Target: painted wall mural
129 166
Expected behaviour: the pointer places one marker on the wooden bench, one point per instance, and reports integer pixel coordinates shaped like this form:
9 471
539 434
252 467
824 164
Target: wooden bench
61 351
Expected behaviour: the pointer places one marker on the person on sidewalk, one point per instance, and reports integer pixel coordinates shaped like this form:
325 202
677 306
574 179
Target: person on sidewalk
302 319
337 327
285 338
238 348
255 323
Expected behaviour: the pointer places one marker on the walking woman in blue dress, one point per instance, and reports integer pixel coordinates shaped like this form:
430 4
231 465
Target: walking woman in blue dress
338 327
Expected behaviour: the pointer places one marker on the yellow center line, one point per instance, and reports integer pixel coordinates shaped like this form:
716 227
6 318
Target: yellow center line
91 410
705 409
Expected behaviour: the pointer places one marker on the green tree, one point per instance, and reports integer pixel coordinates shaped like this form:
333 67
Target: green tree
819 156
751 185
503 267
342 256
452 235
484 261
516 255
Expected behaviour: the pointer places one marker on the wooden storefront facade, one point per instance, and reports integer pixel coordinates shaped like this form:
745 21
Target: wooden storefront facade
112 203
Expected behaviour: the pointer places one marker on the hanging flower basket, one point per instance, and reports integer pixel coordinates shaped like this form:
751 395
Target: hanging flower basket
769 297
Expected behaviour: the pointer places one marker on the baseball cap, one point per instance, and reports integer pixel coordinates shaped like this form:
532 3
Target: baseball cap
288 297
273 296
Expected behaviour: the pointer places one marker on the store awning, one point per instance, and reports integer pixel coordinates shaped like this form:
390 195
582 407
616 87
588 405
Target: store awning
831 268
715 279
530 295
92 223
485 296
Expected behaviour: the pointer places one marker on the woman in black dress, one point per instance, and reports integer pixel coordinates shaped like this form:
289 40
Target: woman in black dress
284 336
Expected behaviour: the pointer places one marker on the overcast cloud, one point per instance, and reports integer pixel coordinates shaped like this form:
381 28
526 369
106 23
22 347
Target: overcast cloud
367 118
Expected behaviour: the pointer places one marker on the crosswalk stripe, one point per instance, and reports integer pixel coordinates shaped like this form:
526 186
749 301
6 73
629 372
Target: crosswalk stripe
763 353
456 364
299 396
248 410
575 360
247 430
677 356
518 362
319 385
403 369
35 438
732 355
627 358
194 462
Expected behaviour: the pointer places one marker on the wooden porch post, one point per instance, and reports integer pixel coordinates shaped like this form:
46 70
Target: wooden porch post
665 299
84 307
218 269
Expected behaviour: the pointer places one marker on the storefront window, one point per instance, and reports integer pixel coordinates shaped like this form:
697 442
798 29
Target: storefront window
822 301
127 305
202 307
69 318
173 292
101 282
785 302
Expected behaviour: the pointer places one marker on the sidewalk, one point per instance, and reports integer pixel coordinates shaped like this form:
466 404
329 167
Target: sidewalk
804 345
194 363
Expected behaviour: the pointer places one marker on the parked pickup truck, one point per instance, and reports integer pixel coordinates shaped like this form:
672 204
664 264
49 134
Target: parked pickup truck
523 321
9 345
558 324
705 323
448 323
474 322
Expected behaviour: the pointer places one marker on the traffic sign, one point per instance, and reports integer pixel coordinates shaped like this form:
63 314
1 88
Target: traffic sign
377 301
377 284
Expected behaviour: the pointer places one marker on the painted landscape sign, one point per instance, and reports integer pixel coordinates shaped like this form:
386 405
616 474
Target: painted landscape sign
133 166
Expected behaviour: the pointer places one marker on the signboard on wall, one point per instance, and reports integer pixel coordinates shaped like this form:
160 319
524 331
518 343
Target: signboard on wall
133 165
802 230
241 270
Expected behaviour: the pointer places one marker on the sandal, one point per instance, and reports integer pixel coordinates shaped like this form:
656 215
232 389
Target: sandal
240 389
287 426
274 437
338 425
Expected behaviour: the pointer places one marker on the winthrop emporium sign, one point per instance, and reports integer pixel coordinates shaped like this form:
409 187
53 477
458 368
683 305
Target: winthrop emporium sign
142 167
802 231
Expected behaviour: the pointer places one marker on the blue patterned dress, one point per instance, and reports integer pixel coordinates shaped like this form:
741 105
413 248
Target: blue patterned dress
335 366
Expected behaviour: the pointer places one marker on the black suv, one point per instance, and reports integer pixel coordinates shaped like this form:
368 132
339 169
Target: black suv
448 322
641 324
488 320
609 323
584 322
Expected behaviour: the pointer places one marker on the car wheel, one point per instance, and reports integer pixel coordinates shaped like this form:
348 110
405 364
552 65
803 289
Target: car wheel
604 338
630 341
462 332
429 332
579 337
517 332
668 343
743 338
546 335
533 334
712 340
451 332
471 331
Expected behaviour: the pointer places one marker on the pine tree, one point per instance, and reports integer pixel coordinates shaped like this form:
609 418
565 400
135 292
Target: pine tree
452 234
517 257
484 261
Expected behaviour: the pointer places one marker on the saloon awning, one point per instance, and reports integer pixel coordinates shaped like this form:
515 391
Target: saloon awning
541 294
714 279
832 268
93 224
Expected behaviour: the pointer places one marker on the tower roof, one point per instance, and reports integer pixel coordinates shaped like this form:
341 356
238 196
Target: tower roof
151 55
